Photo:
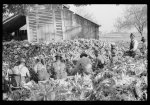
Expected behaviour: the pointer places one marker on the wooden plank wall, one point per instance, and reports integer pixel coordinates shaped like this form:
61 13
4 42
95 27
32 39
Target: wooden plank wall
58 25
45 23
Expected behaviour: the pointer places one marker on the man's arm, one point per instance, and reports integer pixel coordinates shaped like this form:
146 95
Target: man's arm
35 68
27 71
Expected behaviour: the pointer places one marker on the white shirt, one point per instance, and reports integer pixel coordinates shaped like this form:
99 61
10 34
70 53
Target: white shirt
24 70
16 70
135 45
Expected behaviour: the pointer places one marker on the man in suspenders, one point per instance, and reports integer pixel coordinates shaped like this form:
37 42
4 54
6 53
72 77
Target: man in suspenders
24 72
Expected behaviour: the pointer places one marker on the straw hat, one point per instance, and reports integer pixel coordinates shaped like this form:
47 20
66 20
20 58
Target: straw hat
22 60
113 44
58 55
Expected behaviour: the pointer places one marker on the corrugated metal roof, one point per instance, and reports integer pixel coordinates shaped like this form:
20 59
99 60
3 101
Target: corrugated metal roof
81 16
13 23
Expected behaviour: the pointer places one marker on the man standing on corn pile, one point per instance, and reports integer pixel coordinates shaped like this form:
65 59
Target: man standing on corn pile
84 65
40 70
59 68
133 46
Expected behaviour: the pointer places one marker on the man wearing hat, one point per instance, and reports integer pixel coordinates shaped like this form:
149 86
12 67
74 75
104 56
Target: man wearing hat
59 68
15 73
113 57
100 60
24 72
5 78
84 65
133 45
144 46
40 70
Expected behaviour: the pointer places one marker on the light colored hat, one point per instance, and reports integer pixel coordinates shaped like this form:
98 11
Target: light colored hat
22 60
5 64
113 44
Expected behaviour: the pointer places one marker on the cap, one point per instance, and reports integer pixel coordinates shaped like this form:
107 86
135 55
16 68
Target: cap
58 55
132 35
22 60
143 39
5 64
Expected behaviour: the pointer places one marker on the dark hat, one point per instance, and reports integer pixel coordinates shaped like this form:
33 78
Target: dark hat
58 55
83 54
132 35
143 39
95 51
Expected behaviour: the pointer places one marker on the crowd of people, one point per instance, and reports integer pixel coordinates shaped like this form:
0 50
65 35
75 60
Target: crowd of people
20 74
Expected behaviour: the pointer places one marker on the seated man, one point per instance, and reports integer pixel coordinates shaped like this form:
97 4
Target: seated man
84 65
100 60
15 75
40 70
113 57
59 68
24 72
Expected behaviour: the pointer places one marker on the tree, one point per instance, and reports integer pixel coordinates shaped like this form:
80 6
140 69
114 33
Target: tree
134 16
15 8
118 24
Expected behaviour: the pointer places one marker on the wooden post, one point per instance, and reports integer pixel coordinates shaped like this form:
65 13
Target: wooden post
54 23
63 25
37 33
28 29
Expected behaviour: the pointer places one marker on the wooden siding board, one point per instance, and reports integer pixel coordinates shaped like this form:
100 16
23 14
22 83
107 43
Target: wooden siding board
64 24
28 30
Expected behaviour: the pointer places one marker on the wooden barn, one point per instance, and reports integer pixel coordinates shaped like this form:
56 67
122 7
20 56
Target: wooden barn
48 22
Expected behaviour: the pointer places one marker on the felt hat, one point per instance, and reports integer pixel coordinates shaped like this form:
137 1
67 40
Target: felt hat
83 54
143 39
58 55
132 35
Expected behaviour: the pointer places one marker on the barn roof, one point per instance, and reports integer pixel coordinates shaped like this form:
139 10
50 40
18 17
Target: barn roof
13 23
81 16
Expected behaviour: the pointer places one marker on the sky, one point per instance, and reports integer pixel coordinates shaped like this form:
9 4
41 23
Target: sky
105 14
